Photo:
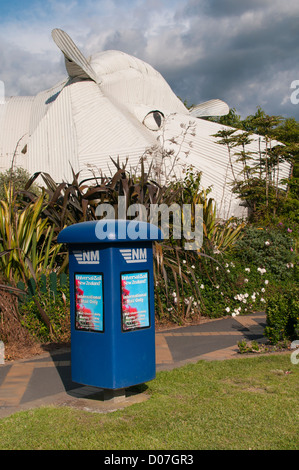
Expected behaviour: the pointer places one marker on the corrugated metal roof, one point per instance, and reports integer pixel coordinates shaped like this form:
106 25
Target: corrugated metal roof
53 147
14 131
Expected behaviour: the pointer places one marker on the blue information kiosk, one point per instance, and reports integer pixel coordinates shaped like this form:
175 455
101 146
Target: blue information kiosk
112 302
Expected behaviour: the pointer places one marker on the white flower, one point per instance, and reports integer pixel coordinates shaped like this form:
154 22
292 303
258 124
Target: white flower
263 289
217 268
193 267
262 299
221 293
202 286
247 270
232 264
186 301
228 271
217 287
245 280
184 261
226 265
267 243
266 281
262 270
173 294
246 295
227 309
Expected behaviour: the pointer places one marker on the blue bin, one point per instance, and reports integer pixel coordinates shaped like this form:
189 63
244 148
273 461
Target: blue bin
112 302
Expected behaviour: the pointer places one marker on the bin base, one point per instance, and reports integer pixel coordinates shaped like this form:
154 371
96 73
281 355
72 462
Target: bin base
115 396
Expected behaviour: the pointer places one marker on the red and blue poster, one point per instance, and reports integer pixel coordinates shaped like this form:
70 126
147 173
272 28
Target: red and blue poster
135 301
89 311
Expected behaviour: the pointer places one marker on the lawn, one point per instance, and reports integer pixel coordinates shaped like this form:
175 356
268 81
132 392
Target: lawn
246 403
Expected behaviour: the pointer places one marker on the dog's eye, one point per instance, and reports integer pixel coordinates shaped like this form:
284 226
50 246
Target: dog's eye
154 120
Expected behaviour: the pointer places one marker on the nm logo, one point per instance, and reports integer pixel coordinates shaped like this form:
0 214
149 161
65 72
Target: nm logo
87 256
134 255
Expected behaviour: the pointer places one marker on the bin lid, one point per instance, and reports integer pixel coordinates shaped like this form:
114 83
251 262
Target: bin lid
110 230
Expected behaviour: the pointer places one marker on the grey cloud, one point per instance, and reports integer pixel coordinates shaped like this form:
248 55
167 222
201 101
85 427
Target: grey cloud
222 8
25 73
131 41
244 52
247 60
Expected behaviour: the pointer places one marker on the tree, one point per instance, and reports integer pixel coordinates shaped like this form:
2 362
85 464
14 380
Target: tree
259 183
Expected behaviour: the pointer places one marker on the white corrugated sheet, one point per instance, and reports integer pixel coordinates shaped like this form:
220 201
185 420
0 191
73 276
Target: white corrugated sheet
14 130
81 123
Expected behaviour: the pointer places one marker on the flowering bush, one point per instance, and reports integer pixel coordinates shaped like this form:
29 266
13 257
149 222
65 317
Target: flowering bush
238 281
272 249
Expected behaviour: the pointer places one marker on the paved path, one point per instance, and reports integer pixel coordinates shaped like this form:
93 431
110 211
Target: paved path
46 379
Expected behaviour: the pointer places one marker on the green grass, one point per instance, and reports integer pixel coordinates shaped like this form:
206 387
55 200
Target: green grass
248 403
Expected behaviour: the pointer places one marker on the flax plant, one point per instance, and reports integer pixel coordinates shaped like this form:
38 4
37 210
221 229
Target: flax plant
26 238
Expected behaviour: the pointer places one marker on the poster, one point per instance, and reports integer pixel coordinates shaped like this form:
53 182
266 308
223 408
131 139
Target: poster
135 301
89 311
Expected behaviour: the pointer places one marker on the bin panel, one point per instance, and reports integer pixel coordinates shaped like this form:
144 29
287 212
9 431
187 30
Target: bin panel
135 358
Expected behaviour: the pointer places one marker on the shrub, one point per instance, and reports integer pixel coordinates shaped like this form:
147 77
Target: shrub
18 179
272 249
57 308
282 313
11 330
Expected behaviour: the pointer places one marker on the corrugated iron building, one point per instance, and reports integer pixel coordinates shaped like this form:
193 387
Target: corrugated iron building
115 105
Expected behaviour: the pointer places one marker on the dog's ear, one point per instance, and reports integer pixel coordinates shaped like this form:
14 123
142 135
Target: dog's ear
75 62
210 108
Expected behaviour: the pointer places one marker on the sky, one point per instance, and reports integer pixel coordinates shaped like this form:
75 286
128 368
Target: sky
244 52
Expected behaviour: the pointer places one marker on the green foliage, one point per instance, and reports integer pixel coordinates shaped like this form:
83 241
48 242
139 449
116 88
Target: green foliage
270 248
238 267
25 238
16 179
245 347
56 305
259 183
283 315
